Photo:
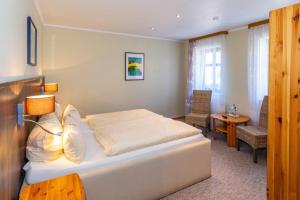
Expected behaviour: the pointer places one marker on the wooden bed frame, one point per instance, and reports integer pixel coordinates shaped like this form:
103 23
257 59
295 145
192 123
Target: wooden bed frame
13 137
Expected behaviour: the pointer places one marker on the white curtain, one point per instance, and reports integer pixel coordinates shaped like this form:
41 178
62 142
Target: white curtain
206 70
258 64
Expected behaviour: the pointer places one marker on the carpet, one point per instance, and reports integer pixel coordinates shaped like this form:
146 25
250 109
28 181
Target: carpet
234 176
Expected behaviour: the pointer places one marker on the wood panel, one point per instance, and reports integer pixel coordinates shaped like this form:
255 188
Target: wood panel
67 187
284 105
13 137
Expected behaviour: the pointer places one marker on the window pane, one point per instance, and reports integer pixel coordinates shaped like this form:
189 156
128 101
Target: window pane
197 77
212 69
218 57
218 78
209 58
208 77
263 59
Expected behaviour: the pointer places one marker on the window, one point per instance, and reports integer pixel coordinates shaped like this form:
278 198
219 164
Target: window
206 67
211 76
262 66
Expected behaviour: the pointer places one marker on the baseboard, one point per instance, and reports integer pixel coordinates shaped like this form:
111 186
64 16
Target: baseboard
180 117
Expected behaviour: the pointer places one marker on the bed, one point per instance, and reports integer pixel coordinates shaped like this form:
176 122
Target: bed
144 173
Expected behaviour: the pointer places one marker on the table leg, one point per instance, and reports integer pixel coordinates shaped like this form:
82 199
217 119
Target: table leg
213 128
231 135
238 144
255 155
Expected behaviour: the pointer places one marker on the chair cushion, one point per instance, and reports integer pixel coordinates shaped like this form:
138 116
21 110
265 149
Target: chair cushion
197 119
254 136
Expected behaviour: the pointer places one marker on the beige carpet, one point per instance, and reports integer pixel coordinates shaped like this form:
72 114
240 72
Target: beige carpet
234 176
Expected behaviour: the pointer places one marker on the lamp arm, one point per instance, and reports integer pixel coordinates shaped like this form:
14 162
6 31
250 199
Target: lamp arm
32 121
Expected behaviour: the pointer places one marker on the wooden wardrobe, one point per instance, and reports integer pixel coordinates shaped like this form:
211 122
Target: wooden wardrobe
284 105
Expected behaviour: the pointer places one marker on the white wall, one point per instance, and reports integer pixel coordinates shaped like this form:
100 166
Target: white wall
90 70
13 40
92 64
237 74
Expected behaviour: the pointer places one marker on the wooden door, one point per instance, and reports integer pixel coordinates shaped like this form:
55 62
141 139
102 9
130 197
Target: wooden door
284 105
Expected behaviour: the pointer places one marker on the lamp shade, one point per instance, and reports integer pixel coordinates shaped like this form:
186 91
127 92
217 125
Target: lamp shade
40 104
51 87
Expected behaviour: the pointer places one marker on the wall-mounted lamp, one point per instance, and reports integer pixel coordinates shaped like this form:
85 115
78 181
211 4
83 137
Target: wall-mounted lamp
51 87
36 106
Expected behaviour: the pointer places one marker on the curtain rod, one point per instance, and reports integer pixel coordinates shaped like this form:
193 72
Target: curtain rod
266 21
209 35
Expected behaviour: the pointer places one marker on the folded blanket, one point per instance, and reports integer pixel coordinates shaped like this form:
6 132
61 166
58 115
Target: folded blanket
100 120
126 131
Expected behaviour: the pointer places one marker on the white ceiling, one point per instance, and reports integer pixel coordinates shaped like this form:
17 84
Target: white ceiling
139 16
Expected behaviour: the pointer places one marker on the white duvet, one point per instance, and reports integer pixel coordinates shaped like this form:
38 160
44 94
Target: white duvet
121 132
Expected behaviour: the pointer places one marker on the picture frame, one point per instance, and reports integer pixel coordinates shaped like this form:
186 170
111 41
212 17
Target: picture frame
31 42
134 66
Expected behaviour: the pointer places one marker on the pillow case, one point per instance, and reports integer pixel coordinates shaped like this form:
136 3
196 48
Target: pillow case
73 139
43 146
58 111
71 116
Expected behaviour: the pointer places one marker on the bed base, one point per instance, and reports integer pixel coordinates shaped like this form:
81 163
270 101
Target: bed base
151 177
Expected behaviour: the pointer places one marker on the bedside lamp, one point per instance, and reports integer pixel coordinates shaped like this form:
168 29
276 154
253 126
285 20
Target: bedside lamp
40 104
36 106
50 87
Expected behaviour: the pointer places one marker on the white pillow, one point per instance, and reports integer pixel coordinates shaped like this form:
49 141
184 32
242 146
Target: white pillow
48 117
73 139
43 146
58 111
71 116
73 144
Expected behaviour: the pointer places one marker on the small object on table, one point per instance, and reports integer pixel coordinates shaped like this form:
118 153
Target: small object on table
233 111
233 115
67 187
230 126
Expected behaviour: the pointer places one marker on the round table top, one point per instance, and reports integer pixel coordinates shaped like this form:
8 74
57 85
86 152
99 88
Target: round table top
239 119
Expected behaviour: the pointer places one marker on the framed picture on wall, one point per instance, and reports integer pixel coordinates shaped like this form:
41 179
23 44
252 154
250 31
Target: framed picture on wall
31 42
134 66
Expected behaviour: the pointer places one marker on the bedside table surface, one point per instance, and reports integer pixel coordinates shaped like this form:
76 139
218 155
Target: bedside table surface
67 187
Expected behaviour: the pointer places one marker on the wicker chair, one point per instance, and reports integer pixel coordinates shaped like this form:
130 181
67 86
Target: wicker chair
200 115
255 136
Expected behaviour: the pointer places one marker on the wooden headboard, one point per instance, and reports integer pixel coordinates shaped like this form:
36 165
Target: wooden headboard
13 137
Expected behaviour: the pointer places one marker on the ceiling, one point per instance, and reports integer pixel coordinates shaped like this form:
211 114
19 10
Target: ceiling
139 17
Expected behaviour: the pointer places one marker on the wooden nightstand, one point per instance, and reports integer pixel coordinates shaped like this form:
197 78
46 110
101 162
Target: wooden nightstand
67 187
